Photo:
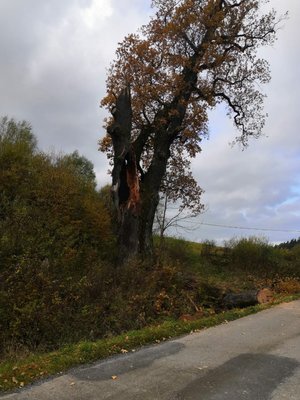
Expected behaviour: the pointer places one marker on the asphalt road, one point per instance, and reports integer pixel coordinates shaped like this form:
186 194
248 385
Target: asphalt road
253 358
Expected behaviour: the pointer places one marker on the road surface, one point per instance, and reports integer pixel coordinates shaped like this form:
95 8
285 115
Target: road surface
253 358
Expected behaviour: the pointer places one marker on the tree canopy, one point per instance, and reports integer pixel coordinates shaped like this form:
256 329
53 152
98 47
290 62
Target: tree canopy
80 165
190 57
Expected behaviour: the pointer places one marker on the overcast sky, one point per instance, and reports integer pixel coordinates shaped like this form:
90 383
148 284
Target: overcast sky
54 56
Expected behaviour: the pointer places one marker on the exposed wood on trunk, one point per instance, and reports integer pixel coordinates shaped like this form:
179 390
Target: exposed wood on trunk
265 296
125 176
127 189
133 183
249 298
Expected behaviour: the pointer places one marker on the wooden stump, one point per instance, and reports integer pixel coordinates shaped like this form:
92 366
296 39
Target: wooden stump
265 296
249 298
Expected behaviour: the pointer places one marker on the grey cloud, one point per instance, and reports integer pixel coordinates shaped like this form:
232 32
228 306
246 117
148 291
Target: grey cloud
54 56
260 186
53 74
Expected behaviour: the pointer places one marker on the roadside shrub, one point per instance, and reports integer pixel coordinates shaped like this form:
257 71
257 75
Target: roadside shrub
209 295
175 249
42 309
208 248
54 231
142 293
254 254
287 286
295 254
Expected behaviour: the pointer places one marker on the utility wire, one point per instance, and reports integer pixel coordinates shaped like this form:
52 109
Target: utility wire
251 229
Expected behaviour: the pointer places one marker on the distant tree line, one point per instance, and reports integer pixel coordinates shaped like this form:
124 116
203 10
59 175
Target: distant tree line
289 244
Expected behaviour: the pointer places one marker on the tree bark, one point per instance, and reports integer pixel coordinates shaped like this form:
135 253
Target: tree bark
136 194
125 181
249 298
150 189
135 197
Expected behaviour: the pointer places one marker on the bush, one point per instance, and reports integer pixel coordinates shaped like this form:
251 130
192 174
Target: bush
287 285
208 248
254 254
54 231
41 308
175 249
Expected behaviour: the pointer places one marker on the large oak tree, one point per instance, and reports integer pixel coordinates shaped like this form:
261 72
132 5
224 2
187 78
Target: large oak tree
191 56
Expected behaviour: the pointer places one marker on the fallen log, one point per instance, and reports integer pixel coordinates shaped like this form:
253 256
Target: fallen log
249 298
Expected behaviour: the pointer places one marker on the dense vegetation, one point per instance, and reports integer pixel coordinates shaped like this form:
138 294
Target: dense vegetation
290 244
54 234
59 281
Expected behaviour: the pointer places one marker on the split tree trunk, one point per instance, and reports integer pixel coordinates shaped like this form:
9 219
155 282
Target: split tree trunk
135 196
125 181
136 192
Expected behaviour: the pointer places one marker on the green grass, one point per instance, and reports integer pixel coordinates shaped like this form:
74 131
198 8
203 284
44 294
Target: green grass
16 373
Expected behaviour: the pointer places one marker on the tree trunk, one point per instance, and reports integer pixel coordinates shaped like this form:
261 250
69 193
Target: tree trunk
135 197
149 202
128 202
125 181
150 191
128 235
249 298
136 193
163 221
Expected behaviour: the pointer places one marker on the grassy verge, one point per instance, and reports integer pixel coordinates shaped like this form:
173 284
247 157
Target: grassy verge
18 373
